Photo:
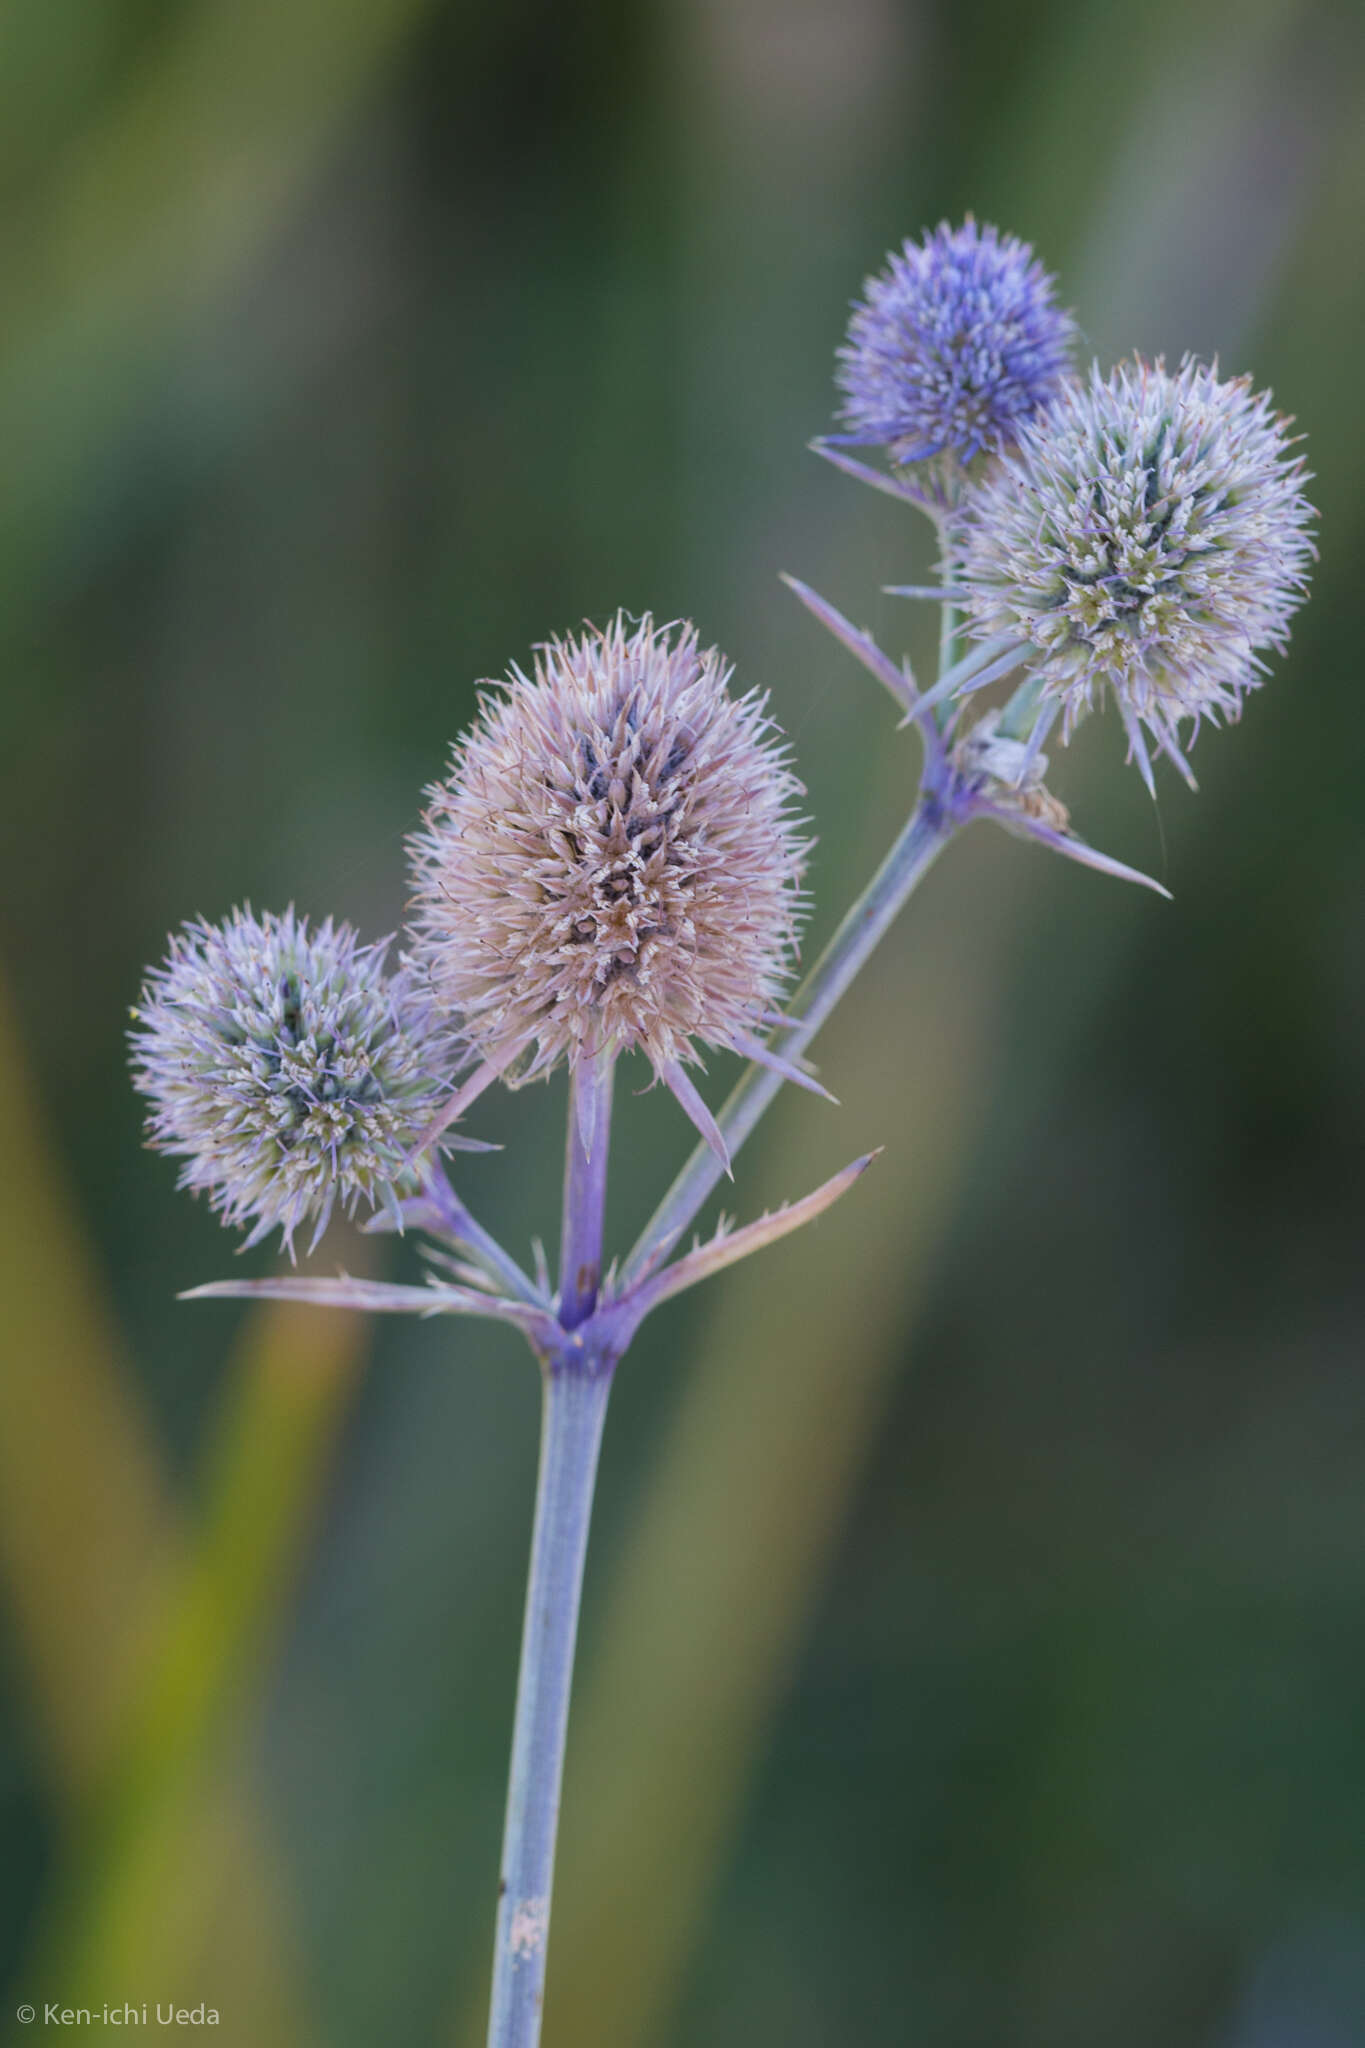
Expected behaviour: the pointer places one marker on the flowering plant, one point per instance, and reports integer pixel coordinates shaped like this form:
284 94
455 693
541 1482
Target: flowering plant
614 865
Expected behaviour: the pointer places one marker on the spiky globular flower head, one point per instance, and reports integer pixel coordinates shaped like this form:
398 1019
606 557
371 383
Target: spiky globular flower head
286 1067
613 861
1149 535
952 348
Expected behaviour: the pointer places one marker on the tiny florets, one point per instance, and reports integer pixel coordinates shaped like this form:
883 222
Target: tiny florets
613 861
286 1068
952 348
1149 535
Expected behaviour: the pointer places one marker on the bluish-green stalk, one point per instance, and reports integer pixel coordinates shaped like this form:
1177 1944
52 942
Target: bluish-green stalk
580 1333
913 853
614 865
577 1374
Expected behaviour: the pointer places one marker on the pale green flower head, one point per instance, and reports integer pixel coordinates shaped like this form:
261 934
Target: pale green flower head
287 1068
1148 537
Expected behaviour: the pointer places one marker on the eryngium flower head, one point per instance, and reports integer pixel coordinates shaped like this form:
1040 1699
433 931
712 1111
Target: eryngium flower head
952 347
1148 535
613 861
286 1068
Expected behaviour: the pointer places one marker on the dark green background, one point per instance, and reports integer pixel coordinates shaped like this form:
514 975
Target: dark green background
351 348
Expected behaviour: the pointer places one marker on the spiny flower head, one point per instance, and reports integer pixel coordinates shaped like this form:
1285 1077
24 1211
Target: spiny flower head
613 861
1149 535
952 348
286 1068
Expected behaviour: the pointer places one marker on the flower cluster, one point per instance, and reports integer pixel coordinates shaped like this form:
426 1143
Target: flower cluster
953 348
614 861
1148 536
286 1068
1142 535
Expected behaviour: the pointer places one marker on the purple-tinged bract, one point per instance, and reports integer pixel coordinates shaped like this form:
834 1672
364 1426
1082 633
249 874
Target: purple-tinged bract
1149 536
613 862
952 348
286 1068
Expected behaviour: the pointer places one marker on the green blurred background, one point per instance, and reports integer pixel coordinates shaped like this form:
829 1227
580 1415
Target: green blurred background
973 1647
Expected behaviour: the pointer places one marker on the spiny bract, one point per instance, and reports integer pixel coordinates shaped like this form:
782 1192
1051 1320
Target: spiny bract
1149 535
952 347
286 1068
613 861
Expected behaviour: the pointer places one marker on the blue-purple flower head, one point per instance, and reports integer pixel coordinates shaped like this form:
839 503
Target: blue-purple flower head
952 348
286 1068
1148 536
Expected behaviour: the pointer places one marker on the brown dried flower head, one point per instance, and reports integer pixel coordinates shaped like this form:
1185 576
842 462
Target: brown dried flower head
613 862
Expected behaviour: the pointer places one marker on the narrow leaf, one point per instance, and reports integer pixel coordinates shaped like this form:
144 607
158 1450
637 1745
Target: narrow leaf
483 1077
1137 748
860 645
765 1055
986 662
725 1249
591 1081
463 1270
1067 844
879 479
375 1296
683 1089
440 1212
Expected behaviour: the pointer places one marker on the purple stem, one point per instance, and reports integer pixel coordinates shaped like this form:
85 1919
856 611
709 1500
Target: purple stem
585 1187
453 1219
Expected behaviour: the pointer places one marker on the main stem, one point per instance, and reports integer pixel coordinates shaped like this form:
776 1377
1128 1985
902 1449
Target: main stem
577 1382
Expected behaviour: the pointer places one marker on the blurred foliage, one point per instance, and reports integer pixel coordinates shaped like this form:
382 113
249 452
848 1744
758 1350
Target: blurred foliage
970 1647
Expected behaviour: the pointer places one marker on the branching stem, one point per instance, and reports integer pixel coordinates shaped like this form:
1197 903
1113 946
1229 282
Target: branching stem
913 853
578 1367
